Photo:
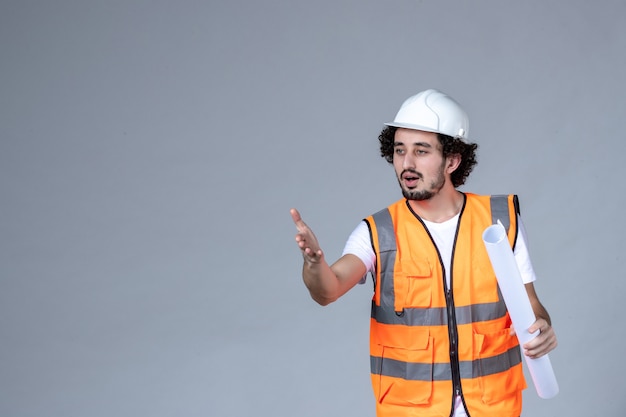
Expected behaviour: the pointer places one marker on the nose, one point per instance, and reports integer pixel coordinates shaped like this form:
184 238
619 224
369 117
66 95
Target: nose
408 161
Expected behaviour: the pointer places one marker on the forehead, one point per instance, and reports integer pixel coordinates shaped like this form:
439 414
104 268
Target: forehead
416 137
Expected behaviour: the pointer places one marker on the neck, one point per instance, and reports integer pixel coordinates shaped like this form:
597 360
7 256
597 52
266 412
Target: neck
443 206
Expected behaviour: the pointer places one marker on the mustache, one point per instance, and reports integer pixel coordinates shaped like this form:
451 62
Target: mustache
411 171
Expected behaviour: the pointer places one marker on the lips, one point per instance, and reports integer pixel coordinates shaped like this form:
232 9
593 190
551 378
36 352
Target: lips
410 178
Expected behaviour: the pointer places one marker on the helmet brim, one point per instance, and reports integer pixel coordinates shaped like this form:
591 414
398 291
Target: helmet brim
422 128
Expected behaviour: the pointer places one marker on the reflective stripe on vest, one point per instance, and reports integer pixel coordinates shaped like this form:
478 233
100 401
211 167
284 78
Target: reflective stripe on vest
441 371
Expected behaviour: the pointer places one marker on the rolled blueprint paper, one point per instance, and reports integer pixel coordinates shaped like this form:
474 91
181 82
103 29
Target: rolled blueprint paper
518 304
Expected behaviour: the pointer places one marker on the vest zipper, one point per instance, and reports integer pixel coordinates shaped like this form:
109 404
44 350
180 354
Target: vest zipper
453 334
453 337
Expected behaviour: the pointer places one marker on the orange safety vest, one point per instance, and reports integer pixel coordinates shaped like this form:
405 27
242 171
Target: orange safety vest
429 342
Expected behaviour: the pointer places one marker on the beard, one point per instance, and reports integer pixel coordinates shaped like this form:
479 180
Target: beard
426 194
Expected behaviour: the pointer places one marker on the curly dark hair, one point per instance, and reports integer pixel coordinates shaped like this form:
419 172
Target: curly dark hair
449 146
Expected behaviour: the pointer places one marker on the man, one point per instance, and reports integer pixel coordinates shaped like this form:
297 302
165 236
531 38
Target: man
441 340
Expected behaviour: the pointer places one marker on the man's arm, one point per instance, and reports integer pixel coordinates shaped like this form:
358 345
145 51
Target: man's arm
325 283
546 339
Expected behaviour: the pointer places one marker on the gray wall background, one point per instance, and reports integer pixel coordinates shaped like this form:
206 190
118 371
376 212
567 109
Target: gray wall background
150 152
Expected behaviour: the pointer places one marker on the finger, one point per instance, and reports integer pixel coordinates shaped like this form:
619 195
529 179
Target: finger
537 352
541 345
309 246
305 241
295 215
302 242
537 339
313 256
297 219
532 348
540 324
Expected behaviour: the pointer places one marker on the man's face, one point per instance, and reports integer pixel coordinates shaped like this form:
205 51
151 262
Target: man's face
418 163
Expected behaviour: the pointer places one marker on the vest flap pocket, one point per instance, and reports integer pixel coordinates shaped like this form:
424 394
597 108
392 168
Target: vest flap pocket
415 283
415 269
499 366
402 337
495 343
404 376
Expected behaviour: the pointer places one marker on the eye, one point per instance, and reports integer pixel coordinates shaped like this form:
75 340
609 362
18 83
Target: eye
399 151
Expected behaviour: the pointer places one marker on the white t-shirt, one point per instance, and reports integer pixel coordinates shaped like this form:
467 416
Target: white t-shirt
360 245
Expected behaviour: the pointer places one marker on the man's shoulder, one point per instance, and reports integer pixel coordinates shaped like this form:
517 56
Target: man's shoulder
486 198
393 206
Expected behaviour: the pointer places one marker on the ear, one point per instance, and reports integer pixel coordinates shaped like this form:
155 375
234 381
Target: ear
452 162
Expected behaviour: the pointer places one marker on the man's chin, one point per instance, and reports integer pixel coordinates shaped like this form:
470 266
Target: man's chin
417 195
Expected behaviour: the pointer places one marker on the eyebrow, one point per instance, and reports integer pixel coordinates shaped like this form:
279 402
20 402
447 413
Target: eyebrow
424 144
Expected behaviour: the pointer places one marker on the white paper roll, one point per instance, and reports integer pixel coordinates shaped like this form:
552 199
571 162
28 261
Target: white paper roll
518 304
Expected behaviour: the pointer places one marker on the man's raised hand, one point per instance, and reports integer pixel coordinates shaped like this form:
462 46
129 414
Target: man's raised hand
306 240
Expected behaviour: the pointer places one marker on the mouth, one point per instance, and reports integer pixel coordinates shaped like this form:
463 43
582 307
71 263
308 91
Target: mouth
410 179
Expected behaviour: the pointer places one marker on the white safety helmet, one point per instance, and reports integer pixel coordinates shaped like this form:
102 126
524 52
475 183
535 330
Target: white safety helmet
433 111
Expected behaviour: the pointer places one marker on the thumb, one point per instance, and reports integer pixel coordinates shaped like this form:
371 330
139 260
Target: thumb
297 219
295 215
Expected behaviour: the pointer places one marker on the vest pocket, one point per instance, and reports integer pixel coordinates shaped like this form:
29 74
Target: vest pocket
416 279
405 376
499 366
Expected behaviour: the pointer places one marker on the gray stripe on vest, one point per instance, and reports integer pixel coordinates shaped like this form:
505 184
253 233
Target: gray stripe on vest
500 210
439 316
387 247
441 371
